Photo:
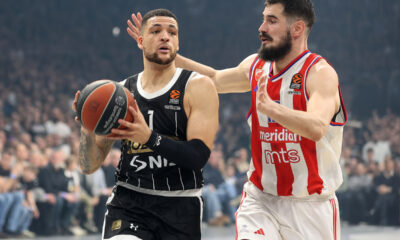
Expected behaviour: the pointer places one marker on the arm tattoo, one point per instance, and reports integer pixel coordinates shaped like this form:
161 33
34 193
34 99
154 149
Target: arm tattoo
92 154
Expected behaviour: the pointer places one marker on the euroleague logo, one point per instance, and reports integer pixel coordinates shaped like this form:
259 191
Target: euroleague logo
175 94
296 81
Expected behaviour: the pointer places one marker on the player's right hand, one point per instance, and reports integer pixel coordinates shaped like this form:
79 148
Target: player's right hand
74 104
134 30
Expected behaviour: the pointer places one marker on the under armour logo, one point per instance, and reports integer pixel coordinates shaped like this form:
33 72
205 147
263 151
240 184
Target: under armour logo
134 227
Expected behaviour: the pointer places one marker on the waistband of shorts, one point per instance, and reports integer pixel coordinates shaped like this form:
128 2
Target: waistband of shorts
253 189
179 193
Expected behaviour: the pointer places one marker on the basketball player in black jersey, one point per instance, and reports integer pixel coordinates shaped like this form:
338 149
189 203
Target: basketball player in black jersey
159 178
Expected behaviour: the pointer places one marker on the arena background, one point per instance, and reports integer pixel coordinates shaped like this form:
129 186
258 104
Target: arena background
51 48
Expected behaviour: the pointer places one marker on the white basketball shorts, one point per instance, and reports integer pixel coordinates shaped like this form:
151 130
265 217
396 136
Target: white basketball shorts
264 216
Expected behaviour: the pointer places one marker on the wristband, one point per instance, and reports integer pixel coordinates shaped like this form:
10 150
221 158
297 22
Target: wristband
154 140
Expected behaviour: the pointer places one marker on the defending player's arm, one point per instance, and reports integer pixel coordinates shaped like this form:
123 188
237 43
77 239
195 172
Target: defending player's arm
229 80
93 149
324 102
202 100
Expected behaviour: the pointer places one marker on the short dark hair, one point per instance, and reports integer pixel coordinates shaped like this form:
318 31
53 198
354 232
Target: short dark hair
303 9
161 12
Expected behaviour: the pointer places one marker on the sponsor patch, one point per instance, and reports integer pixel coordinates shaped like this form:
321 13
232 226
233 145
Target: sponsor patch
116 225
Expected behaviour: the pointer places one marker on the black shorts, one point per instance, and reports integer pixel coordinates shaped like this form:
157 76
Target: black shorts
151 217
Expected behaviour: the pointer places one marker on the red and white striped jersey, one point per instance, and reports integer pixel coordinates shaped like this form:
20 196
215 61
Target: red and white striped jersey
283 162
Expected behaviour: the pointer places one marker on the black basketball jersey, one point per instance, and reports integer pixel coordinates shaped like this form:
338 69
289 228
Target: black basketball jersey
164 113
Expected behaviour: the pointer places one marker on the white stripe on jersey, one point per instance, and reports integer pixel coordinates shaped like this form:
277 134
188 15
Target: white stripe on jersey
180 176
169 188
194 175
178 193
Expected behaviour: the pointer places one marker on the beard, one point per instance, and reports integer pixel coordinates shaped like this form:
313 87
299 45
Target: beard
278 52
156 59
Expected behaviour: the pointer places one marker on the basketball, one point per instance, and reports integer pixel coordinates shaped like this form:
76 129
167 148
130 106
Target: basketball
101 104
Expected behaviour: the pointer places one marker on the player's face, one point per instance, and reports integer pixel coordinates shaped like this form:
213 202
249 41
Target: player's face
275 36
160 40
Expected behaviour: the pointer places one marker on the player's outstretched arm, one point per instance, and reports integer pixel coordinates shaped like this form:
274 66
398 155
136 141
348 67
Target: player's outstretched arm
93 149
324 102
229 80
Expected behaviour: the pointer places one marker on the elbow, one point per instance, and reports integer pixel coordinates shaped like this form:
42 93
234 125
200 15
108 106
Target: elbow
318 133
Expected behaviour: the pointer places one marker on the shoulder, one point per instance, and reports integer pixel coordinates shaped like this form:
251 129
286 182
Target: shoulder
322 68
248 61
322 74
200 90
199 82
129 79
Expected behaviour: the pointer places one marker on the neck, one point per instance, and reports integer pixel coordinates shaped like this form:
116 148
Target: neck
156 76
297 49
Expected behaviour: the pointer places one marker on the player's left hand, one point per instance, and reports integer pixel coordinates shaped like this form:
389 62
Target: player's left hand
136 131
134 30
263 99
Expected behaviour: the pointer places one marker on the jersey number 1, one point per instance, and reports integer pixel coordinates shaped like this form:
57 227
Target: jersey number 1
151 117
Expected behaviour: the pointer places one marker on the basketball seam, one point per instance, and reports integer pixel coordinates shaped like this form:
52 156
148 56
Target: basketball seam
104 109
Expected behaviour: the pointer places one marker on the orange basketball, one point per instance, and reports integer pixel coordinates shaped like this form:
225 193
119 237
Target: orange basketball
101 104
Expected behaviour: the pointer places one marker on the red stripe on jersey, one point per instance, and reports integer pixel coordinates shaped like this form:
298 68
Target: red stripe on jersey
256 151
334 211
314 181
256 64
284 173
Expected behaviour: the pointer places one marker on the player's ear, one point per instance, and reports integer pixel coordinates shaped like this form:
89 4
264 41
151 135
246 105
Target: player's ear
298 28
140 42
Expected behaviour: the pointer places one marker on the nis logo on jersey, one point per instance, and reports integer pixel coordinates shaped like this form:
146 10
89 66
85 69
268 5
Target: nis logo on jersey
151 163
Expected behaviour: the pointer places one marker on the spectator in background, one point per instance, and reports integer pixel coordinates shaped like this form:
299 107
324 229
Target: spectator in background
369 157
241 162
354 203
56 125
217 192
108 168
98 193
15 215
59 203
386 208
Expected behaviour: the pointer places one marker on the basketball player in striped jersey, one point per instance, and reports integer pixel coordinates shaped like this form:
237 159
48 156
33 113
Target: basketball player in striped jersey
296 119
159 177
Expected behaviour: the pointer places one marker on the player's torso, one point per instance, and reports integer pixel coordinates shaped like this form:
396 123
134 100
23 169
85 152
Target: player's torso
164 113
283 162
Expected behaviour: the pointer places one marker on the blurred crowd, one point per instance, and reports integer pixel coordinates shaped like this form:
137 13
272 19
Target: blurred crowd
42 190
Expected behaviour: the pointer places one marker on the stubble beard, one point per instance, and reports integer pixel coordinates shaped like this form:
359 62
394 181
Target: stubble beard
154 57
